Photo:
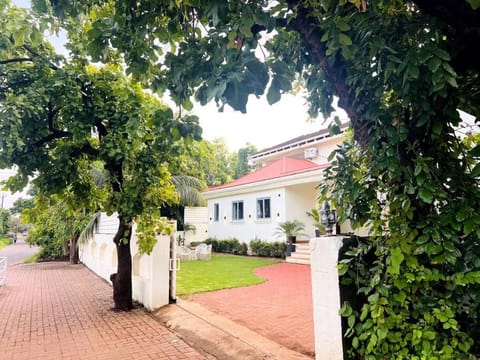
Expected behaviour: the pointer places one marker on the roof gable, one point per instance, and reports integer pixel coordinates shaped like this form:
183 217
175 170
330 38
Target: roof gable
283 167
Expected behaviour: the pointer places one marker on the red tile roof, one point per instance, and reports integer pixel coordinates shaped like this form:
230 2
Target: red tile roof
285 166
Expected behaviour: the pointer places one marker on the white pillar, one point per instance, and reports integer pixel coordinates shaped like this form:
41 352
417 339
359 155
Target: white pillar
326 297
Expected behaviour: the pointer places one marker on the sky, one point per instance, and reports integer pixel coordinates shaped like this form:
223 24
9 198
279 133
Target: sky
6 198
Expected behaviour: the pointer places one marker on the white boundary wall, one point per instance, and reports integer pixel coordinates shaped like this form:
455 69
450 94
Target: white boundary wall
150 273
3 270
326 297
197 216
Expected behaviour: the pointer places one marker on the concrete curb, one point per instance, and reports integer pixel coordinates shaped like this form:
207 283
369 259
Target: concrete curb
218 337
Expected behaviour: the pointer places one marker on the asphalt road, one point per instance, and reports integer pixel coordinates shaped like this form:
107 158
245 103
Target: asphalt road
18 252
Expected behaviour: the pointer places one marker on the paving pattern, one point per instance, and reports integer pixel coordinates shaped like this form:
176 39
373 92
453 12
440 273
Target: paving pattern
280 309
62 311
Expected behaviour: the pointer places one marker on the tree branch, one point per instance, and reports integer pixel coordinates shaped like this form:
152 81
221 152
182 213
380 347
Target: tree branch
54 133
8 61
33 52
304 25
85 149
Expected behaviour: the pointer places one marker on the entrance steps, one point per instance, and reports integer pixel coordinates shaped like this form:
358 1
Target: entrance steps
301 255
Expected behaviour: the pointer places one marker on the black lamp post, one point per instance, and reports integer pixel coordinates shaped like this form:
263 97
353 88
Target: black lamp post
328 218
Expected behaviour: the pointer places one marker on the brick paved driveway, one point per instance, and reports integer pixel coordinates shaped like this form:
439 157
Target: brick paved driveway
61 311
280 309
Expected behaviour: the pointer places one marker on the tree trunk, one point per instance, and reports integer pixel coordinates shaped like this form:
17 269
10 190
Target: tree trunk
74 248
122 280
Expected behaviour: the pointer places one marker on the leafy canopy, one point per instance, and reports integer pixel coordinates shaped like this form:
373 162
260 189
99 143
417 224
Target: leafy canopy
58 117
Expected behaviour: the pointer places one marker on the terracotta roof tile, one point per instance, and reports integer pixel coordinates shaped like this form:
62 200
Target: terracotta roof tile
283 167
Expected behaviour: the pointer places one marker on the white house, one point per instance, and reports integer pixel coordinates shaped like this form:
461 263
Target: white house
285 188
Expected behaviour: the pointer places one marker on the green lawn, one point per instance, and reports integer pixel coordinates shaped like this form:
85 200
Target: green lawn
221 272
4 242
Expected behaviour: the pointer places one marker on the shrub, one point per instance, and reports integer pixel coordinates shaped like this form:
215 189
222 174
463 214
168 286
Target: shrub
213 242
242 249
231 246
278 249
267 249
196 243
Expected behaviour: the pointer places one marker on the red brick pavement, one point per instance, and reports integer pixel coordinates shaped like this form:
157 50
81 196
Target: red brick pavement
62 311
280 309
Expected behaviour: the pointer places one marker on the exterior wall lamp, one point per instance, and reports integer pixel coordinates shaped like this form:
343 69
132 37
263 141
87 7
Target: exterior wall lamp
328 218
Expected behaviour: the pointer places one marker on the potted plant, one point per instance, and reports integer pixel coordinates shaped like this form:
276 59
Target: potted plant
291 229
319 228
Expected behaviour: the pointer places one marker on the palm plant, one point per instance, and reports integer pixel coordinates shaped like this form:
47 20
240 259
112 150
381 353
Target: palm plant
188 189
319 228
291 229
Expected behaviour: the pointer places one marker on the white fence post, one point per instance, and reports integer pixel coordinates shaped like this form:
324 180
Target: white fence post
3 270
326 297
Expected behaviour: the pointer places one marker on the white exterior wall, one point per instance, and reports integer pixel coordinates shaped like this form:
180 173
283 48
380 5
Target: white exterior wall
150 273
324 149
326 297
250 227
197 216
300 199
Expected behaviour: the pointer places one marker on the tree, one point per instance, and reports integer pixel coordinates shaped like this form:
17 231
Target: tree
59 117
56 227
21 204
241 160
209 161
401 69
4 221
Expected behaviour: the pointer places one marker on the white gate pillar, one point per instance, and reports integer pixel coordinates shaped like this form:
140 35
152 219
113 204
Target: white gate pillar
326 297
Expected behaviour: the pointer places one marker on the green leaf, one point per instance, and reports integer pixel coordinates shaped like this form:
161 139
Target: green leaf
451 80
396 259
345 39
469 226
351 321
426 195
273 93
382 333
442 54
342 25
476 170
346 309
373 299
429 335
475 152
475 4
413 71
434 64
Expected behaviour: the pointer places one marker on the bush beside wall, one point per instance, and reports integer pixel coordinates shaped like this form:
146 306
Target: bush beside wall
267 249
230 246
257 247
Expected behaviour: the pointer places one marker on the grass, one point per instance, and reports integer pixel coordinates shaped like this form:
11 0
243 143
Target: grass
32 259
221 272
4 242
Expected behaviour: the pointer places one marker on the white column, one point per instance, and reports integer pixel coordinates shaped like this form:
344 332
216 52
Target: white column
326 297
159 273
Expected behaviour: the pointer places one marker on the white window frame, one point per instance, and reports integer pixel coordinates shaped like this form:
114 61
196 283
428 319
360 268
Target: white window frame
261 208
216 212
236 210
